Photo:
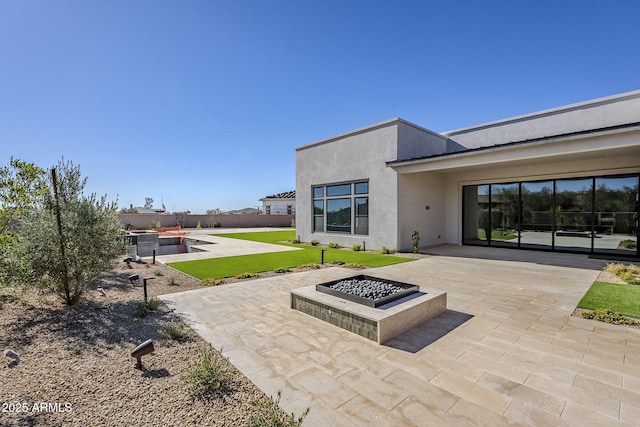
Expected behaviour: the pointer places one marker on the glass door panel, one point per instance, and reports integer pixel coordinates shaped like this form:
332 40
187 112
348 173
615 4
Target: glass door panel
475 214
616 215
504 214
536 215
573 214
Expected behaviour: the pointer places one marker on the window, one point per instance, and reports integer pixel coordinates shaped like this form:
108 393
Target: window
289 209
268 209
337 209
595 214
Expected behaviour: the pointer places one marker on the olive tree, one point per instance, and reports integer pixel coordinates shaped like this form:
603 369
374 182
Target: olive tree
69 238
22 184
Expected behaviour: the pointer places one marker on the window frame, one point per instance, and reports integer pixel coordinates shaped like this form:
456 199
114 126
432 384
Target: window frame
323 193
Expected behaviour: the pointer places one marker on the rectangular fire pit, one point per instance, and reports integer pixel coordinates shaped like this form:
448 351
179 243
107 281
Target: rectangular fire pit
376 297
381 323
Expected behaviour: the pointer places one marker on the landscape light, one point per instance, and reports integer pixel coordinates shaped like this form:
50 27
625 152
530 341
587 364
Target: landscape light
12 355
141 350
134 278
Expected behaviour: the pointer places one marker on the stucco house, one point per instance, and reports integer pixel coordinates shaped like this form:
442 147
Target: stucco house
279 204
564 179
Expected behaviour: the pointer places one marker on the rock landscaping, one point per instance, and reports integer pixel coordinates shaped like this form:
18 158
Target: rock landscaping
76 368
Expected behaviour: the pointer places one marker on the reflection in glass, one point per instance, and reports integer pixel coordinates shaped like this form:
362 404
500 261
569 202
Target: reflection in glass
339 215
318 215
573 214
361 187
362 215
537 215
615 219
339 190
476 214
504 214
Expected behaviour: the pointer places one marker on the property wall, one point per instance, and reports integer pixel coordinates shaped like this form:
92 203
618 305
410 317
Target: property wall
142 221
357 156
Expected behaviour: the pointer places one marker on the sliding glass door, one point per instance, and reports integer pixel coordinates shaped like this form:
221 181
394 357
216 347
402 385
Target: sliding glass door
596 214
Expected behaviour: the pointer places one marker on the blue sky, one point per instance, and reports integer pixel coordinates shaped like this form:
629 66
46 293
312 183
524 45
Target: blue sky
202 103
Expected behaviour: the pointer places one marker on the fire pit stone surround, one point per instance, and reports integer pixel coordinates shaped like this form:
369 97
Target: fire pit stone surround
380 323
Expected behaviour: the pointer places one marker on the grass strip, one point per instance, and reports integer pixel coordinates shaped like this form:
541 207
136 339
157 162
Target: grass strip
214 268
623 299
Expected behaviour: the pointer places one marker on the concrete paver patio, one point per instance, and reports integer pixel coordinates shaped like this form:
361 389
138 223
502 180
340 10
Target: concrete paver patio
506 352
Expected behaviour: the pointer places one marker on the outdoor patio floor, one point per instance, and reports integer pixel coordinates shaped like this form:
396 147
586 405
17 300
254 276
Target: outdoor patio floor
507 350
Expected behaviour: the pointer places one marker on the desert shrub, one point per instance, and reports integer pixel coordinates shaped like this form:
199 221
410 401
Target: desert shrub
172 282
175 331
314 242
353 265
156 224
629 273
608 316
198 225
211 282
158 273
295 241
269 414
206 374
281 270
628 244
356 248
334 245
246 275
415 241
337 262
143 309
386 251
310 265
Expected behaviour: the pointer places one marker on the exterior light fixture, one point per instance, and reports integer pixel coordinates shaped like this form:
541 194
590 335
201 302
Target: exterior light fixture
141 350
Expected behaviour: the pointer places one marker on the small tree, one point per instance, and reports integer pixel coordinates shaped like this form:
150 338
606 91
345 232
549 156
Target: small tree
21 185
69 238
148 203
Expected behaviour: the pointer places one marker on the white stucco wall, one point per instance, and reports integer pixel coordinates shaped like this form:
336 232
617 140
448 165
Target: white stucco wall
358 156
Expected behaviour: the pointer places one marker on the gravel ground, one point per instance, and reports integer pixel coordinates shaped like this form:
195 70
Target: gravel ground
76 366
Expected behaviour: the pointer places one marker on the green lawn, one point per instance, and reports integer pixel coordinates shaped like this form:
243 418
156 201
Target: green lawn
623 299
229 266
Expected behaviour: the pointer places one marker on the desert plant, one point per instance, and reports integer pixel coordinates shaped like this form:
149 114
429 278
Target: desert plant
68 239
415 241
334 245
143 309
281 270
217 225
155 224
386 251
356 248
629 273
175 331
310 265
211 282
158 273
247 275
172 282
206 374
198 225
314 242
269 414
608 316
353 265
337 262
295 241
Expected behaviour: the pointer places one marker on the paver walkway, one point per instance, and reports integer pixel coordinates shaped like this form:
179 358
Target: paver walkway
506 352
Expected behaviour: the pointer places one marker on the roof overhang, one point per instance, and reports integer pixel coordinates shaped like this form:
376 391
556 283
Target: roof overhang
619 141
